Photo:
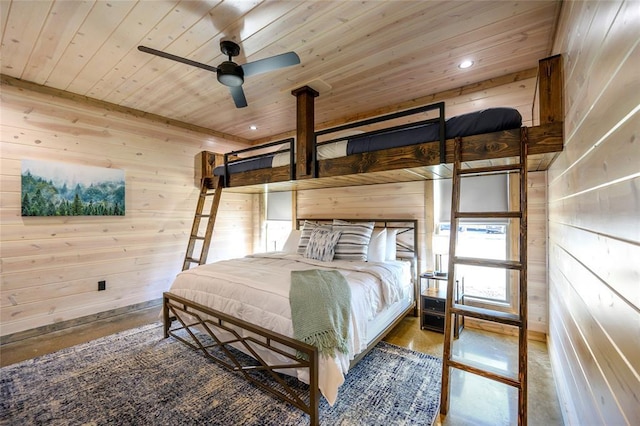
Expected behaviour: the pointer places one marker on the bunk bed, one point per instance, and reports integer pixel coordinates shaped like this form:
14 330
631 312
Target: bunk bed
304 164
377 142
310 160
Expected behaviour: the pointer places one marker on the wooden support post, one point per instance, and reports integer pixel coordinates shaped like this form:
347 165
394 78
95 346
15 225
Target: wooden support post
294 209
550 86
305 128
205 162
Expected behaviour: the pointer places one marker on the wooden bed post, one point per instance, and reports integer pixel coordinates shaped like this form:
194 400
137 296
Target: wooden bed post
305 128
550 86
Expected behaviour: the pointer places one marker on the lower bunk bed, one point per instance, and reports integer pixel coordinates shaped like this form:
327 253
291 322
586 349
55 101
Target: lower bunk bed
266 306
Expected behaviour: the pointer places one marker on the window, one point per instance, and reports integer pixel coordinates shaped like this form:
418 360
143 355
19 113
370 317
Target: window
494 288
279 219
487 241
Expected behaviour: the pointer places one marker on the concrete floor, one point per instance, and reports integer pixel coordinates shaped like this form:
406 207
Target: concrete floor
474 400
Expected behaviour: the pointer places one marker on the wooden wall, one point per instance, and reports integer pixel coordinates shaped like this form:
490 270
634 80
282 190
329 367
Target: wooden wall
50 266
594 217
411 200
537 287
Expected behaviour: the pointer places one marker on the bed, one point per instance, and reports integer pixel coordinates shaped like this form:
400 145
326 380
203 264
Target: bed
479 122
244 305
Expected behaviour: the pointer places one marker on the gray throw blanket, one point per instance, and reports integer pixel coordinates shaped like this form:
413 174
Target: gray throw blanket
320 309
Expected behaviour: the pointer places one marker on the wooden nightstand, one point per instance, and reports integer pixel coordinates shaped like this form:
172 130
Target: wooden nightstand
433 295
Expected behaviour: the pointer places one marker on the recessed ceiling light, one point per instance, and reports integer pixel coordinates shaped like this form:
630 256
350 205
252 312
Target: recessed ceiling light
253 127
465 64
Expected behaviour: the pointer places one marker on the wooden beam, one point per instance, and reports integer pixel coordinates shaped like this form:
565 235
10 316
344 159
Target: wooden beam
305 132
550 84
6 80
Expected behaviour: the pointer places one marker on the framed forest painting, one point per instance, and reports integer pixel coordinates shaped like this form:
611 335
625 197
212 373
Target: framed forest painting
61 189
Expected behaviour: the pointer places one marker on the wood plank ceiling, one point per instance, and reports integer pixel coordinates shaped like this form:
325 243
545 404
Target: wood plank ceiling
365 57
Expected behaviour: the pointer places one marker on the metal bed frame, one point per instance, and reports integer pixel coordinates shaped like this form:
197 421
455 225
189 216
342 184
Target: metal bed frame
200 328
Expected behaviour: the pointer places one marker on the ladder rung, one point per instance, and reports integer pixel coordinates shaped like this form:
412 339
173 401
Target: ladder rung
192 260
196 237
490 169
486 314
202 215
484 371
491 263
481 215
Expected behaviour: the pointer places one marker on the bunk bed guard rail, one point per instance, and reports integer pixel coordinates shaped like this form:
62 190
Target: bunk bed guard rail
232 154
232 157
440 119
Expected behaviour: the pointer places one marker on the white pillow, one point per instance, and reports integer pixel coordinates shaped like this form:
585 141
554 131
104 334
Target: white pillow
281 159
332 150
291 244
391 244
377 251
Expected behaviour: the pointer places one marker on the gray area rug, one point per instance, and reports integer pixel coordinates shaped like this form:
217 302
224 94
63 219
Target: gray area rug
138 378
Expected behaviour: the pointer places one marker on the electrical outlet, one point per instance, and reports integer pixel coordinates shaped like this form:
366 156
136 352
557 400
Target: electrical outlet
102 285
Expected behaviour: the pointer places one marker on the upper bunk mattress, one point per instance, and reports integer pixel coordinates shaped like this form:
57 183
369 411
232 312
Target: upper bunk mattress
475 123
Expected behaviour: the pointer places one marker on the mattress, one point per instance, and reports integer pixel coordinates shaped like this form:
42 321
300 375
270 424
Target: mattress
256 289
475 123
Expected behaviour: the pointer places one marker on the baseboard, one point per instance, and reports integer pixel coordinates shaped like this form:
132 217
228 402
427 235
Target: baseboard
45 329
503 329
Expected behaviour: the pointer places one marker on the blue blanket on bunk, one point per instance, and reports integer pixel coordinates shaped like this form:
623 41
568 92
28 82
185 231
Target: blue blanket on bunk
475 123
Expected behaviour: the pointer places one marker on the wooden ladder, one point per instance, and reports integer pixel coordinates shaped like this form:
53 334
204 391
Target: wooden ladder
518 319
205 240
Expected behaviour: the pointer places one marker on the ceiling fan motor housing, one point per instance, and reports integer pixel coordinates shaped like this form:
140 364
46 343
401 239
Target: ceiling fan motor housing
230 74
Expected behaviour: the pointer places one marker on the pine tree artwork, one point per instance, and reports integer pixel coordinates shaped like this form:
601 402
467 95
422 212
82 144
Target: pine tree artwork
60 189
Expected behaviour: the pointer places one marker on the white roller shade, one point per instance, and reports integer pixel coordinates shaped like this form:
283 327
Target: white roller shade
477 194
279 206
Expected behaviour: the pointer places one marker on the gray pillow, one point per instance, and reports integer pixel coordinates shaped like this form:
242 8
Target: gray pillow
307 229
354 239
322 245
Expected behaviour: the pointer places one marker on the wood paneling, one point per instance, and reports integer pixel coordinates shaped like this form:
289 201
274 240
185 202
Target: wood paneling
537 290
368 57
594 230
392 201
51 265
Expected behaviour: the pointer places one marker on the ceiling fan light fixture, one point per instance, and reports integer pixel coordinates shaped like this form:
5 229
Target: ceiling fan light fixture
465 64
230 74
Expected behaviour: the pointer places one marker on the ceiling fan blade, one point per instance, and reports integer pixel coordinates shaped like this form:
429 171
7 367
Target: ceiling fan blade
270 64
177 58
238 96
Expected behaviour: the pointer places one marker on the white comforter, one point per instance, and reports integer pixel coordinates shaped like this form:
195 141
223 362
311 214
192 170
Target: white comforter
256 289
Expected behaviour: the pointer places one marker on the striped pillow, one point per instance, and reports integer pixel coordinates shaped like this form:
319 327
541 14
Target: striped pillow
307 229
322 245
354 241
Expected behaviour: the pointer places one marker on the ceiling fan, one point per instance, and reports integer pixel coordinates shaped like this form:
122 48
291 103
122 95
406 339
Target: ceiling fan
231 74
